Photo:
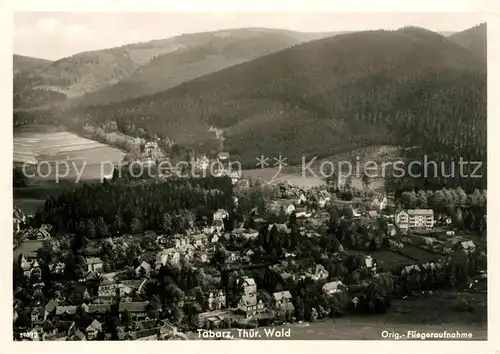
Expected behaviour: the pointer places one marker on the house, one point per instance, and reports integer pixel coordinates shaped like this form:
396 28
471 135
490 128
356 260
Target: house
319 273
235 177
93 330
151 148
209 229
232 257
200 162
468 246
249 253
372 214
143 269
285 206
250 234
283 228
177 242
450 233
169 255
65 311
138 309
37 314
77 336
282 301
380 204
421 219
301 197
57 268
415 219
19 219
220 214
94 264
251 310
370 263
223 157
216 300
324 198
368 260
108 288
333 287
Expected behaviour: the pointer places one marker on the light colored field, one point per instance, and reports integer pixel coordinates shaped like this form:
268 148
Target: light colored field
70 151
307 180
273 175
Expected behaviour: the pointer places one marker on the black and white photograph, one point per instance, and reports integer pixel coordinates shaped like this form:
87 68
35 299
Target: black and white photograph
249 176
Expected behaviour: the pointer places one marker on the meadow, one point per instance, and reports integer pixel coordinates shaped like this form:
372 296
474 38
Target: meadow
75 155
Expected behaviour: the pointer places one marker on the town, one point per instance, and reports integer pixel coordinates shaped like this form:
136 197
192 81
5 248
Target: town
218 253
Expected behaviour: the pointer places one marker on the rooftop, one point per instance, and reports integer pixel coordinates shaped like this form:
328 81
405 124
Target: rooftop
428 212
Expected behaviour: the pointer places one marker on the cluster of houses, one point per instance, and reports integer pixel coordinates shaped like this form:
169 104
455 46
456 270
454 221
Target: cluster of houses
56 322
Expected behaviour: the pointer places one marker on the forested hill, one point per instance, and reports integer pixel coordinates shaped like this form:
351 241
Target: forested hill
198 54
474 39
324 96
411 87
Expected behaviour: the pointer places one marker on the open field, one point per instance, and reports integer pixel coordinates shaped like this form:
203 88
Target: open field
75 155
27 247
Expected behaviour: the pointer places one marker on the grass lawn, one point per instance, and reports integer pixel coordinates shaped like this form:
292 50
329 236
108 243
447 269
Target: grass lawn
389 260
31 198
439 309
27 247
420 254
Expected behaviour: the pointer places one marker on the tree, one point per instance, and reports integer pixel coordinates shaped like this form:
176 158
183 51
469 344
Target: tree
177 314
102 227
167 223
421 199
118 225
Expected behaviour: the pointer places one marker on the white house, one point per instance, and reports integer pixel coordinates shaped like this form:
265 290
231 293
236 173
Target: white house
94 264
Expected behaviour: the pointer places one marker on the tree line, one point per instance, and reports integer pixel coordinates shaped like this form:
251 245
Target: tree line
116 207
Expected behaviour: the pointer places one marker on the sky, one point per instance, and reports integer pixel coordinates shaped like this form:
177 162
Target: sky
54 35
